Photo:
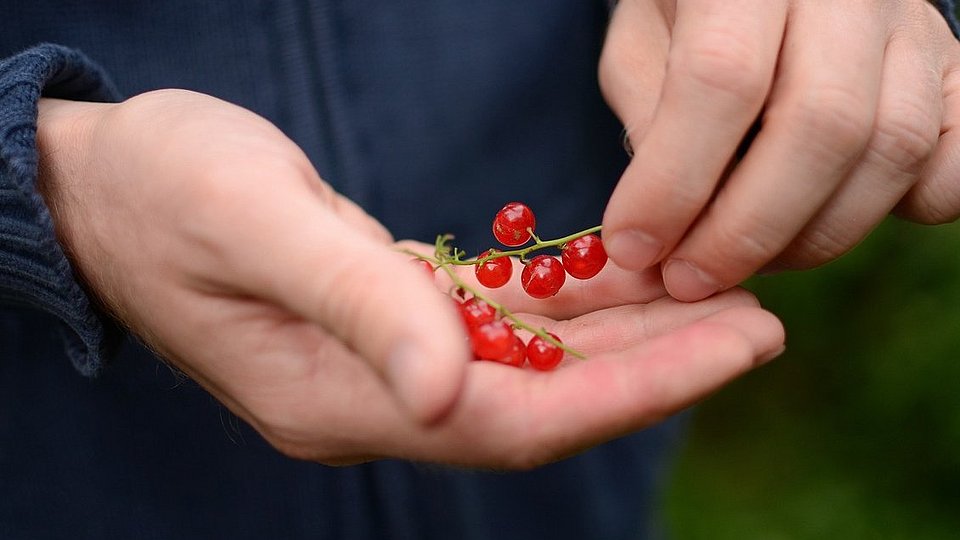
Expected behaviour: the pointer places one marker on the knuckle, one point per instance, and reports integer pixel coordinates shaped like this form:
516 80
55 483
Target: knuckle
905 138
679 194
724 61
836 121
942 215
814 248
746 243
930 205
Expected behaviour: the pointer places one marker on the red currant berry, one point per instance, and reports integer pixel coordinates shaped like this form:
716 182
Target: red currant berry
494 272
584 257
543 276
511 224
492 340
476 312
517 355
542 354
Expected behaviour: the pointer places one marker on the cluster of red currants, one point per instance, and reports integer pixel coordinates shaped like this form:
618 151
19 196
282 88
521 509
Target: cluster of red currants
490 326
582 257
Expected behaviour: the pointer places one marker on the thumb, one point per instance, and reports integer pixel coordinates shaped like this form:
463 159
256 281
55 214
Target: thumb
370 297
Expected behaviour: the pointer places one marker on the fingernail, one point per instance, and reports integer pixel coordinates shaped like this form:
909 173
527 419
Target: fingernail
406 371
633 249
771 355
686 282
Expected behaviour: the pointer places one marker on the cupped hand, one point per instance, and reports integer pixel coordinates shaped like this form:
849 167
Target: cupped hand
207 232
203 228
851 110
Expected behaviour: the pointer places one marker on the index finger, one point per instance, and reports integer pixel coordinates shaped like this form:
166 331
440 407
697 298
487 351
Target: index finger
719 71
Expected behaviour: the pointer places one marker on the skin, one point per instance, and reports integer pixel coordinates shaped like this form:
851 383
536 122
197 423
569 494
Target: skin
857 105
207 232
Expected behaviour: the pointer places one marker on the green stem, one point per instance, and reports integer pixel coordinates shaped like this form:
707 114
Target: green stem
523 252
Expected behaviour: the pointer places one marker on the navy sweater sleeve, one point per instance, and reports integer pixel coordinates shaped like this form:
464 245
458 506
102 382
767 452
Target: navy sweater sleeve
34 270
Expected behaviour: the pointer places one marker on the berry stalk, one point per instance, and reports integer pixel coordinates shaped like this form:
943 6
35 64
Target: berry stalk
522 252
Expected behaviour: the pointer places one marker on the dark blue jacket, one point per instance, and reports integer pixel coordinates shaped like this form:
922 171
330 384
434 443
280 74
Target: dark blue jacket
430 114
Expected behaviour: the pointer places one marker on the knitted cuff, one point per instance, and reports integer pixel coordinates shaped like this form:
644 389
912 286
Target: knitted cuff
34 270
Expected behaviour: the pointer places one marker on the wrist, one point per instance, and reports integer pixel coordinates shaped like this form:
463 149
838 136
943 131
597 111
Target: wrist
64 133
67 156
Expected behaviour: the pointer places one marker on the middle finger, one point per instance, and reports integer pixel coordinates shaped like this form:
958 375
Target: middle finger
818 121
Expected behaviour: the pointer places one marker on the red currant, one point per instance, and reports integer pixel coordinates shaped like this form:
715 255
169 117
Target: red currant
476 312
542 354
543 276
511 224
584 257
494 272
517 355
492 340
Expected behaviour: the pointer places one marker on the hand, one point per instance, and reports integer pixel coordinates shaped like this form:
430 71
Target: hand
857 105
207 232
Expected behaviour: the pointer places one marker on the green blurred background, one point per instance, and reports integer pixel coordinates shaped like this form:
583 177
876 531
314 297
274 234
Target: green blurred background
855 431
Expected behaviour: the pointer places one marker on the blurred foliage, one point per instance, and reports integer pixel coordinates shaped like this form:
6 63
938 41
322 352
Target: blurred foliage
855 431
